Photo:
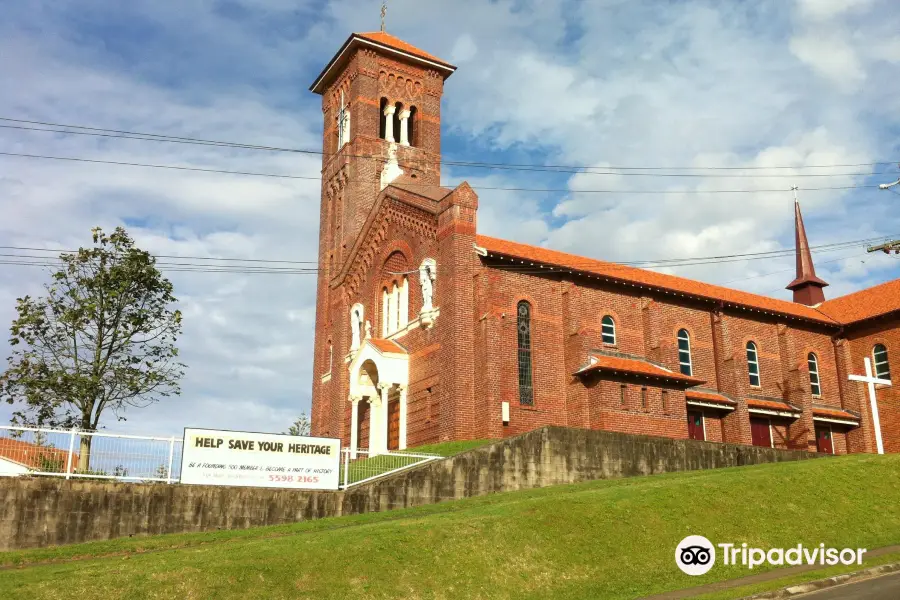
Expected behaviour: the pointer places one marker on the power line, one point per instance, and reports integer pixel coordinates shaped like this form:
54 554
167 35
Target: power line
661 261
183 268
491 188
150 166
609 170
824 262
184 257
48 261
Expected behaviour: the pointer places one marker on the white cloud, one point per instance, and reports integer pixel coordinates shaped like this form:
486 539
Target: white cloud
828 9
832 57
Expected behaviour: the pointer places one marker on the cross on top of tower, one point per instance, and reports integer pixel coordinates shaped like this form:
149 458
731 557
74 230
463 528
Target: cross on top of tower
383 14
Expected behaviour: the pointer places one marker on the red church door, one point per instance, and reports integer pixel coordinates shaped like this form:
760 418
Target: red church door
363 424
695 425
760 432
823 440
394 425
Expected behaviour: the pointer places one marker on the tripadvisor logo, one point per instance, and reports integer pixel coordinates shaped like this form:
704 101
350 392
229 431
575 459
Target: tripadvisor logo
696 555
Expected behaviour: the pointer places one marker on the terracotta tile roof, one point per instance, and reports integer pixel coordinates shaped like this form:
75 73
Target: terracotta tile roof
772 405
388 346
865 304
837 413
634 366
652 279
374 37
34 456
386 39
704 396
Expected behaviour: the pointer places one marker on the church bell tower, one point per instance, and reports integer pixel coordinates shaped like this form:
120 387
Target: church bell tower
381 104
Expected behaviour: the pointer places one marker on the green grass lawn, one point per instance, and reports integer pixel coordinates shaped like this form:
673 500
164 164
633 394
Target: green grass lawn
449 448
364 468
605 539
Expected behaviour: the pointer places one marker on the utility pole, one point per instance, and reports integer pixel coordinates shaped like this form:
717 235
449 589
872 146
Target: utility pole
890 244
886 247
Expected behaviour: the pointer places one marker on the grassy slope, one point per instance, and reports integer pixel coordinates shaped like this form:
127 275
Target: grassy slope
450 448
607 539
365 468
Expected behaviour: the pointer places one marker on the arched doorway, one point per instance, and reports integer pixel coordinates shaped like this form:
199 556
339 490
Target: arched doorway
379 375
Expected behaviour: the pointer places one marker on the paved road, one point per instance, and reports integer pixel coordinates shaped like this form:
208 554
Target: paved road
880 588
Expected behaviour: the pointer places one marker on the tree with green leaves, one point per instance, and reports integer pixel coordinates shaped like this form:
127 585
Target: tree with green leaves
300 427
101 339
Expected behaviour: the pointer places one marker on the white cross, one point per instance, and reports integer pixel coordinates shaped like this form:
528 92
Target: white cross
872 381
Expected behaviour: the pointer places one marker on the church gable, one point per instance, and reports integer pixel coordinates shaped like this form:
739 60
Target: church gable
399 234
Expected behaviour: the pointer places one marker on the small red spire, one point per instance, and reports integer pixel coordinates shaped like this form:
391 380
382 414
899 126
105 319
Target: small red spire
807 287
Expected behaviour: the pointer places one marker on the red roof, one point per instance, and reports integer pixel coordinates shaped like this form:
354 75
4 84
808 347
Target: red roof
635 366
771 405
388 346
392 44
386 39
865 304
709 397
834 412
36 457
641 277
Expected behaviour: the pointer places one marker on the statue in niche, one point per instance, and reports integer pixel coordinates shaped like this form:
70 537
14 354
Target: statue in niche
427 277
356 317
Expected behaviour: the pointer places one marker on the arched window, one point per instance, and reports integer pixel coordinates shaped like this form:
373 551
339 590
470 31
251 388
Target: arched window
385 312
412 126
398 109
608 330
394 294
381 119
753 364
523 333
343 122
813 363
882 367
684 352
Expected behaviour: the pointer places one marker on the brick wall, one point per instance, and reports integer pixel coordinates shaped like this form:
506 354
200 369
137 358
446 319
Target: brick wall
862 340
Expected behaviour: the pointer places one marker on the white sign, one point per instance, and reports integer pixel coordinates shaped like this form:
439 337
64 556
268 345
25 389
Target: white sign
238 458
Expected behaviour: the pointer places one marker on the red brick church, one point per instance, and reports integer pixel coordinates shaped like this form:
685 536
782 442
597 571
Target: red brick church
427 331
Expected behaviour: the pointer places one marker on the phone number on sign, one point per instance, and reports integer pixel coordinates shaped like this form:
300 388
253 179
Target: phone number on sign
294 478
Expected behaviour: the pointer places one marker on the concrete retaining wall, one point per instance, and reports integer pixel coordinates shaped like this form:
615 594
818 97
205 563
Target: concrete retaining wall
39 511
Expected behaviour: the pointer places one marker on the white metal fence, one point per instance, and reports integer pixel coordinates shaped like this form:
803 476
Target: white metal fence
359 467
92 454
100 455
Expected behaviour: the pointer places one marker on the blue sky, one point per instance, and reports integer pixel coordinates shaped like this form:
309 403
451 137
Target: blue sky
596 82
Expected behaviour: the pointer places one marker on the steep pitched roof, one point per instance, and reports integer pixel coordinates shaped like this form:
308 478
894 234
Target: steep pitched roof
806 270
650 279
864 304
